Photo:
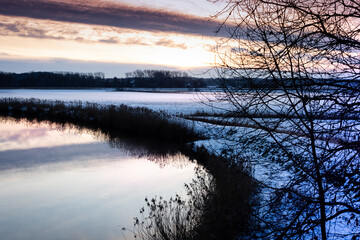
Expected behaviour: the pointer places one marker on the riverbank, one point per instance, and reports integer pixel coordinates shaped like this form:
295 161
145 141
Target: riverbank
113 120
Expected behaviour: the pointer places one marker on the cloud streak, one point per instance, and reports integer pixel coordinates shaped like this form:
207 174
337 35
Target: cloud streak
52 30
108 14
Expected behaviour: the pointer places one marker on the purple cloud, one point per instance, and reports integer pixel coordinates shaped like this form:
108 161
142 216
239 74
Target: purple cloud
109 14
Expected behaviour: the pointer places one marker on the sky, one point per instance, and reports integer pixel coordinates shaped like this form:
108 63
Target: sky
110 36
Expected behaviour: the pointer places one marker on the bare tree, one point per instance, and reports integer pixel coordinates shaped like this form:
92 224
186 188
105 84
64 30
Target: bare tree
302 107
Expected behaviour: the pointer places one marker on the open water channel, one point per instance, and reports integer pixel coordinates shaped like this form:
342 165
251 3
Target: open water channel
57 182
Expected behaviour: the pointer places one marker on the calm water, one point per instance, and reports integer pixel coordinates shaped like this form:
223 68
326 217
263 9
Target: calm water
63 184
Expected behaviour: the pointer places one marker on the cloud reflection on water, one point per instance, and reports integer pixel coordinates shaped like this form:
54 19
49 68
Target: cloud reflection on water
76 191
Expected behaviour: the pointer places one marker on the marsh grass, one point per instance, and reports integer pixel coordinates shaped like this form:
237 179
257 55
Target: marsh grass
120 120
218 205
178 217
229 210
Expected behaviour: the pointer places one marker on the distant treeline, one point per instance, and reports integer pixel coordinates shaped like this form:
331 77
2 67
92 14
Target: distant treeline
154 79
136 79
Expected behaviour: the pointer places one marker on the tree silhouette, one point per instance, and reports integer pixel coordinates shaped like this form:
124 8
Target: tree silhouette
302 110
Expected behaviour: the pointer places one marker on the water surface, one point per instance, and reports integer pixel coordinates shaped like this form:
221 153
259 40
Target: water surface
59 183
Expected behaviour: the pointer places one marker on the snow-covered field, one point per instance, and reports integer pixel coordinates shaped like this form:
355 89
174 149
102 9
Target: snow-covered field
173 103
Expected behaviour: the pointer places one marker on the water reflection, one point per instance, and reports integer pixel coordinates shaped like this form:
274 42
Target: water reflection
52 142
71 184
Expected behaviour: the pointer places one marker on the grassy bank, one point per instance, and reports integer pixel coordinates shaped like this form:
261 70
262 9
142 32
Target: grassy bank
229 208
219 204
114 120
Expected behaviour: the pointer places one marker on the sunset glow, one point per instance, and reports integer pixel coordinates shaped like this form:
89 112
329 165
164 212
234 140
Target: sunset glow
176 34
